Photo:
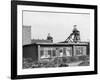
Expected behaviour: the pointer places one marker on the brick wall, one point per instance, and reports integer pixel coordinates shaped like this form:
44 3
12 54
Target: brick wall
26 35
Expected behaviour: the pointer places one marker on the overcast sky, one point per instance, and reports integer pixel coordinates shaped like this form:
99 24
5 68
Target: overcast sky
59 25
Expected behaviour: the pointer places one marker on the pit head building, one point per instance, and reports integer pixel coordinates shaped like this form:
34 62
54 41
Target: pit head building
39 50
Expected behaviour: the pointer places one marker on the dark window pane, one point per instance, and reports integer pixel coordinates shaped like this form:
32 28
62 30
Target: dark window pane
54 53
64 51
49 53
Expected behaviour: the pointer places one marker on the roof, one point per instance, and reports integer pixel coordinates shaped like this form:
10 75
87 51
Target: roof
40 41
60 44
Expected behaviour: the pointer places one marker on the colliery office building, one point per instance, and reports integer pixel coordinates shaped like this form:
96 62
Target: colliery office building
40 51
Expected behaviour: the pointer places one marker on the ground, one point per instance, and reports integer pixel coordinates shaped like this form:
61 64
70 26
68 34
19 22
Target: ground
57 62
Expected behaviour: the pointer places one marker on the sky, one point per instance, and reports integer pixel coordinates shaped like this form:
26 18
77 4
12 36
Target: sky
59 25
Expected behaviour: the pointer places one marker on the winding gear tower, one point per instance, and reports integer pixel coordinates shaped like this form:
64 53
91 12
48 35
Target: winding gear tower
74 36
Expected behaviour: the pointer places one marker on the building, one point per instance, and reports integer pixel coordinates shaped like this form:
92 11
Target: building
26 35
41 51
49 37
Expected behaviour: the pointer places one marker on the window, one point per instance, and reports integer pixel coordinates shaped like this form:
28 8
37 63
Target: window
41 53
49 52
64 51
80 50
54 52
68 51
45 52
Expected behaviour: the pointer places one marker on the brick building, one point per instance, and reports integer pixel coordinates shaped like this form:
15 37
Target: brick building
26 35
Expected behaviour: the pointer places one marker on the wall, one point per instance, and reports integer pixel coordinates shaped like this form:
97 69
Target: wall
5 41
26 35
30 51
